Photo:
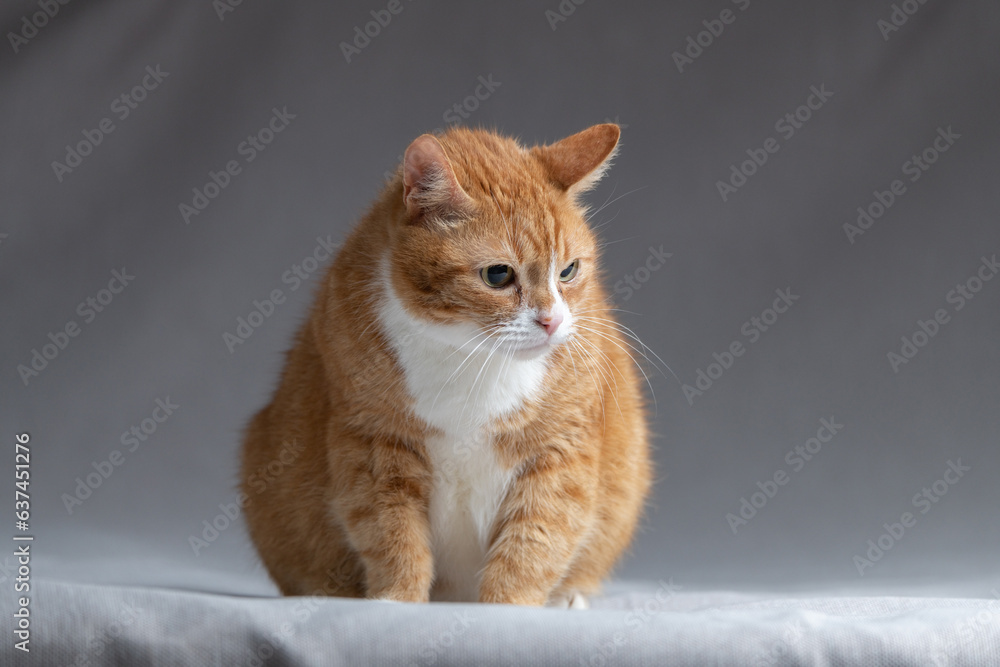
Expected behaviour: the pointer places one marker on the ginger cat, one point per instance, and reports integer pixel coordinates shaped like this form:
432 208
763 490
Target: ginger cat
468 421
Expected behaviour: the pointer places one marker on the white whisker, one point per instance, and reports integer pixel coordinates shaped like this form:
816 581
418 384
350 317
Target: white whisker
624 330
637 364
486 336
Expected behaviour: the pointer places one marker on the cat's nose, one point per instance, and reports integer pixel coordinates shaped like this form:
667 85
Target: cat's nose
550 321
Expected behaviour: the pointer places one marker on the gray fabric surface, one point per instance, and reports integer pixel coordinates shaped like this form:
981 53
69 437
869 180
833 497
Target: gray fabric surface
636 624
209 79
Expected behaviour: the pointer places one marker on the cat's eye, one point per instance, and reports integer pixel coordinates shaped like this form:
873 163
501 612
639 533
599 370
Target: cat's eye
497 275
570 271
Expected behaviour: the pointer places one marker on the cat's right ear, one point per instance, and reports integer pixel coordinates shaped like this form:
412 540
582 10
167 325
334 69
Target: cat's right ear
578 162
429 183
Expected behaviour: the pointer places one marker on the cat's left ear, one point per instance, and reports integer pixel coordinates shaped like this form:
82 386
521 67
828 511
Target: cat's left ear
577 162
430 186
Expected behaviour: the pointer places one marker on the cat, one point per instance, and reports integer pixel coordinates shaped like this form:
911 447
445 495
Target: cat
469 422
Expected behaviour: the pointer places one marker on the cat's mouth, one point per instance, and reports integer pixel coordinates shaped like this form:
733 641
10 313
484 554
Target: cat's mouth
530 345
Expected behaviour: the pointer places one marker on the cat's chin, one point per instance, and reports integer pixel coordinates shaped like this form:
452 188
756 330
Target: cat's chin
534 352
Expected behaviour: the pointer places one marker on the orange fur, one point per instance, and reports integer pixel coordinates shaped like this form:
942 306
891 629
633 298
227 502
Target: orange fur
351 515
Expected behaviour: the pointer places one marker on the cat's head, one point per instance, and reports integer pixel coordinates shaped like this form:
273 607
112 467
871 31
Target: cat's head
492 244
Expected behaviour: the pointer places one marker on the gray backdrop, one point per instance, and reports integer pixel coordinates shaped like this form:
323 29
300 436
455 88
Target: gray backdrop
886 93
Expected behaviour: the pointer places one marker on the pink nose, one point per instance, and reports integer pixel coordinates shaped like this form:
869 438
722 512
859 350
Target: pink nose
550 321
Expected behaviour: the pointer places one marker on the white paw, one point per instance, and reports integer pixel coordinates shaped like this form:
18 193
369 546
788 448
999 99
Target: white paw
575 600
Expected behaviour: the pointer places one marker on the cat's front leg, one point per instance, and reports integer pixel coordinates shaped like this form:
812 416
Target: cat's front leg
381 495
539 527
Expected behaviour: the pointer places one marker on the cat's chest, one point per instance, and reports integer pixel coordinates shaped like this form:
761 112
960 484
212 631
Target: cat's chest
468 487
460 380
455 392
460 391
469 481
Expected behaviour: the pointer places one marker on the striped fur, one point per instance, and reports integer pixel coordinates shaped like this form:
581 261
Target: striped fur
458 441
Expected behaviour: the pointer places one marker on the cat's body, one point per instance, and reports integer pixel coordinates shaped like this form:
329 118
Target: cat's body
468 424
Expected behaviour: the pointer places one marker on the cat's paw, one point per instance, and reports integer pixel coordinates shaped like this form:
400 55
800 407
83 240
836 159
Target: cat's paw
398 597
574 600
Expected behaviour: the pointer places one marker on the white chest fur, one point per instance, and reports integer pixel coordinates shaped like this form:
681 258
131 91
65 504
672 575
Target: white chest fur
459 392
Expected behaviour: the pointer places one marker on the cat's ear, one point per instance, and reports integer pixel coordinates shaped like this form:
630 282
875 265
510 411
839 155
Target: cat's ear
577 162
429 183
